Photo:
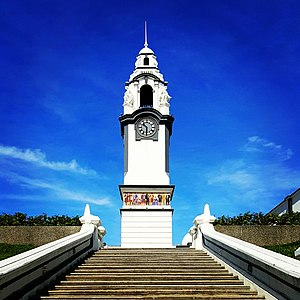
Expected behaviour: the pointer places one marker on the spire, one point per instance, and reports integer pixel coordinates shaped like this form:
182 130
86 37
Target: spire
146 38
146 50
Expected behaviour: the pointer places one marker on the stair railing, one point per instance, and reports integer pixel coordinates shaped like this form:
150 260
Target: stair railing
277 274
23 276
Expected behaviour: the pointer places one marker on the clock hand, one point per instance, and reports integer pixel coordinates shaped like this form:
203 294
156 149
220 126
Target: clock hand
146 128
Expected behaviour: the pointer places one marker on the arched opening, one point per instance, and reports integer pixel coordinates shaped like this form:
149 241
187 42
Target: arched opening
146 96
146 61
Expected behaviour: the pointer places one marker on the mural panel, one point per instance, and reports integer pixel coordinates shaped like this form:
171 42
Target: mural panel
146 199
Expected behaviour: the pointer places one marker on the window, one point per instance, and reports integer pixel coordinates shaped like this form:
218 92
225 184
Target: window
146 61
146 99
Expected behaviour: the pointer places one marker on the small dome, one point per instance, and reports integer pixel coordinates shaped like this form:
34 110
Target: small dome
146 50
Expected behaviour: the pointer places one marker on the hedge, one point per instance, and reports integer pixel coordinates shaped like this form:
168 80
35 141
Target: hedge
286 249
7 250
260 219
20 219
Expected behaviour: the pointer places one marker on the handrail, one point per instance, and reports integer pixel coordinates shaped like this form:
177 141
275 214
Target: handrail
24 275
27 257
276 274
274 260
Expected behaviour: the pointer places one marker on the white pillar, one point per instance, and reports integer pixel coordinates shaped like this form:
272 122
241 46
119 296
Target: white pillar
89 220
203 223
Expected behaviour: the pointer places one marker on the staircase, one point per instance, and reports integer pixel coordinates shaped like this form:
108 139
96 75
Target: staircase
151 274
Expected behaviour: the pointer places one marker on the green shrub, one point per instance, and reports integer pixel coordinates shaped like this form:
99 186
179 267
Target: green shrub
7 250
20 219
286 249
260 219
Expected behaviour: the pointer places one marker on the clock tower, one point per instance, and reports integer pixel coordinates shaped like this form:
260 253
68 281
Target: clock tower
146 128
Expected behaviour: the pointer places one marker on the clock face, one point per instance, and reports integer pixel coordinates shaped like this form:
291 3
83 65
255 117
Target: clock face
146 127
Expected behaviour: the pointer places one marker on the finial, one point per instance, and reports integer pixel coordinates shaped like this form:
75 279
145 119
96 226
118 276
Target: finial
88 218
146 41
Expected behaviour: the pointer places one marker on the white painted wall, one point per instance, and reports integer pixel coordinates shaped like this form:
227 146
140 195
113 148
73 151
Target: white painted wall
296 205
282 208
148 228
146 160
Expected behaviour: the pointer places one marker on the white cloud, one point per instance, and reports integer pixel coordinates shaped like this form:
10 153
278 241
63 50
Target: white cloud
55 188
252 176
255 182
240 178
39 158
258 144
77 196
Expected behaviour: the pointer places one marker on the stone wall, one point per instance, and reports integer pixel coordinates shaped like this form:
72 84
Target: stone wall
35 235
263 235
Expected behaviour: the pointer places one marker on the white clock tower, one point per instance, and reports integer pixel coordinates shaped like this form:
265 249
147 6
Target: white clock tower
146 127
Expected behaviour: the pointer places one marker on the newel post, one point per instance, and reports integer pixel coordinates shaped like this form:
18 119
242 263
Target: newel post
90 221
193 234
202 224
101 234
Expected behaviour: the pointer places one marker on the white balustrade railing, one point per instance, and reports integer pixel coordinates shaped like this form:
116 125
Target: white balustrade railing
276 274
23 275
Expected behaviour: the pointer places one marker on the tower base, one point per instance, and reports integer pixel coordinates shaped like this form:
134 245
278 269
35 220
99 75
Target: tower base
146 216
146 228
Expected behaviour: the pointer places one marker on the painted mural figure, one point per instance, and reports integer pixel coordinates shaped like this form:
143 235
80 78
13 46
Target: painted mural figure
135 199
163 199
168 197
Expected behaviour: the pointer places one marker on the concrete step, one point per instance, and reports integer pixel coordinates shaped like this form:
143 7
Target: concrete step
152 277
156 268
160 297
156 254
105 261
157 263
149 258
155 288
149 271
155 257
153 253
145 254
157 282
153 292
137 255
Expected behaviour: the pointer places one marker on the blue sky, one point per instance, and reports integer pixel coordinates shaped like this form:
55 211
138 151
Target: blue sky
233 70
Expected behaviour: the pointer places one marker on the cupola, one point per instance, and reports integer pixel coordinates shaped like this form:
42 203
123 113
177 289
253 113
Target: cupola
146 86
